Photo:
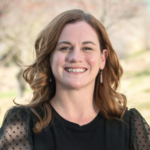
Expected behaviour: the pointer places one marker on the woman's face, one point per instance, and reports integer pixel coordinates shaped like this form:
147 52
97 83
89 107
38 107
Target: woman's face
76 60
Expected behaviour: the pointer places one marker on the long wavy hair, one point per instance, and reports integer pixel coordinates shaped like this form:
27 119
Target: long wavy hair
111 103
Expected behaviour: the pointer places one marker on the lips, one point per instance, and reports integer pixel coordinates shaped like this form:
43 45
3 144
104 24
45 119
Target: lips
75 69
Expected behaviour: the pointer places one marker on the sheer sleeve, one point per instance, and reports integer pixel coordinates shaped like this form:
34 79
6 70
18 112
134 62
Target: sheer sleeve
140 132
15 133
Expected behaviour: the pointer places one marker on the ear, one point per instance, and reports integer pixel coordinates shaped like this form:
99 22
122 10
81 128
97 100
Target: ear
104 56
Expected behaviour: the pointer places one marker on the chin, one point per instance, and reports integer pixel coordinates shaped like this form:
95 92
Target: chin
76 85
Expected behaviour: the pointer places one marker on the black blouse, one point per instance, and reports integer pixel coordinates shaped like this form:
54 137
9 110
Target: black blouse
132 133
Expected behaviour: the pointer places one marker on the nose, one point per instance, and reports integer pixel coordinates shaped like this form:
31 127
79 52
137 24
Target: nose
75 56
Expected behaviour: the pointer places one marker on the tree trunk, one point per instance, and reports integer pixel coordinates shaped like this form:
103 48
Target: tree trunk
21 83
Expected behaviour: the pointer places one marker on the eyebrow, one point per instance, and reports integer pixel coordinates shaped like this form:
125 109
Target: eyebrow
85 42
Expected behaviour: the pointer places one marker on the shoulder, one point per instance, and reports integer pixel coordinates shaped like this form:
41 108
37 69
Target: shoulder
134 118
133 112
18 110
16 113
138 123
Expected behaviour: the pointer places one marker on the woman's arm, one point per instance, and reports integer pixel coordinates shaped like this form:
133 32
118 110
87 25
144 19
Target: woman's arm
15 133
140 132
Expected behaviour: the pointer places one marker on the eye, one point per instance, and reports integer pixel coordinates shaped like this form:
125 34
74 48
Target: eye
64 48
87 48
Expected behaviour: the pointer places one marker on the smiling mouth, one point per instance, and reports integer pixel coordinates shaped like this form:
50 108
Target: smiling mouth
75 70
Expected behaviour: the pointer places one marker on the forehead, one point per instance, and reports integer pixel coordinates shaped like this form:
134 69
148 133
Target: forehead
79 31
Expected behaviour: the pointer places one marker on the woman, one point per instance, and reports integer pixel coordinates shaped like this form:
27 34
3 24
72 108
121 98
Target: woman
75 102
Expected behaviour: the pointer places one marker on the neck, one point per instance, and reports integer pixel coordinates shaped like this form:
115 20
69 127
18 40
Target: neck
75 104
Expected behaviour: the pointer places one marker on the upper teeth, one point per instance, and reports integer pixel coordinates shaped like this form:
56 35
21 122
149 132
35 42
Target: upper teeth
75 70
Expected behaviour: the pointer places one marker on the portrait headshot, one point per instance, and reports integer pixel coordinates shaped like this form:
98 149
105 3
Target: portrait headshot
75 104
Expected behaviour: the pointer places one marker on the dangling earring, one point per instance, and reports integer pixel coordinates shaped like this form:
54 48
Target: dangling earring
50 76
50 80
101 76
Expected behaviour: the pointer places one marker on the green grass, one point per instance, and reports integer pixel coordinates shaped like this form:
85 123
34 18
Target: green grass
143 73
138 77
136 54
8 94
136 81
144 106
12 93
146 90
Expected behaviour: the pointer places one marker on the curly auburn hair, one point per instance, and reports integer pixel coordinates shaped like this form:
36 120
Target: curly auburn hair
111 103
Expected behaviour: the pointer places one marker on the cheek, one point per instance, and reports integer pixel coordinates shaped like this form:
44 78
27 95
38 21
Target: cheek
93 60
58 60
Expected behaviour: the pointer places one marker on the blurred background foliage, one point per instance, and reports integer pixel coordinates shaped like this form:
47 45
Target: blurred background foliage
127 23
